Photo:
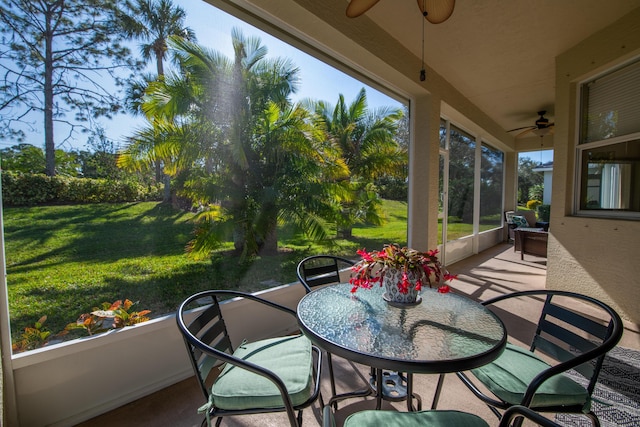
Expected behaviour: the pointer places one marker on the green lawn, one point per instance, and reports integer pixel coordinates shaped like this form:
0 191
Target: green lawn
64 260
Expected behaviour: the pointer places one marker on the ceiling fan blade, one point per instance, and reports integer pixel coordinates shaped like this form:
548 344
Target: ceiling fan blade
531 129
523 127
358 7
438 11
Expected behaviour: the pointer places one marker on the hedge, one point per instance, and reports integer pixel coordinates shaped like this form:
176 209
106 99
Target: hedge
21 189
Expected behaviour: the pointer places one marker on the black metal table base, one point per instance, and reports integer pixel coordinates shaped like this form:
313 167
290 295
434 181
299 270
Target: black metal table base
393 387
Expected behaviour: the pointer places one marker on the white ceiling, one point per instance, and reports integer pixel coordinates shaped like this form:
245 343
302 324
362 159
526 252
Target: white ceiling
500 54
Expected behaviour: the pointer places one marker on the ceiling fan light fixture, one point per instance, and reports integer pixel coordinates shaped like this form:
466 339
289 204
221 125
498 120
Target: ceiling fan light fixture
358 7
437 11
542 131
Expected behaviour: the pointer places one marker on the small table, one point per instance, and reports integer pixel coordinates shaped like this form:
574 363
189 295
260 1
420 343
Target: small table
444 333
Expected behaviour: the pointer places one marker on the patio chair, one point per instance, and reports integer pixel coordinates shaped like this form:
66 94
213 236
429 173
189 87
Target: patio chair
573 344
272 375
434 418
317 270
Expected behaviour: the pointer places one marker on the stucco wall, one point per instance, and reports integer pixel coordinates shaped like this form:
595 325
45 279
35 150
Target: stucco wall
597 257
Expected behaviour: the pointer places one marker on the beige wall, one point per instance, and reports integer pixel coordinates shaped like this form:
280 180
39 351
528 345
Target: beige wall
597 257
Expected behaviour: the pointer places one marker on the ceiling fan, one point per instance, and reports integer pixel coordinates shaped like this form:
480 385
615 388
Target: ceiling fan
434 11
542 126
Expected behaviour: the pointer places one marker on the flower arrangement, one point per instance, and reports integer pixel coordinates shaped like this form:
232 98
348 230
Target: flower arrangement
425 266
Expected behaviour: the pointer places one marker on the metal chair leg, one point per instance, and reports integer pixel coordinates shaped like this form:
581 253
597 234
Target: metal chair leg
436 395
333 382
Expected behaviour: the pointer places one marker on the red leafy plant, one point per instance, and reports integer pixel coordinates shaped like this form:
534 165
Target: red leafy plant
118 312
425 266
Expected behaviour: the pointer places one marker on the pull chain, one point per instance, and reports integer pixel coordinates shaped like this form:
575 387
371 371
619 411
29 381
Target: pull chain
423 73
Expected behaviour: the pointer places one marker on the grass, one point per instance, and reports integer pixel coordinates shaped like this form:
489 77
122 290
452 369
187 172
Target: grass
64 260
457 230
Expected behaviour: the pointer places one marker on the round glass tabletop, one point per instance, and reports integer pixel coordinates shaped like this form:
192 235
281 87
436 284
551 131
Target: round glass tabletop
443 333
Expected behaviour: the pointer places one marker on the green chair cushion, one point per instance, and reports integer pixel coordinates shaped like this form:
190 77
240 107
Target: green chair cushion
410 419
509 375
290 358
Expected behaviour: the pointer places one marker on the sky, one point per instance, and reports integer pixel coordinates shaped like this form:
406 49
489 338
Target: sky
540 156
213 27
318 81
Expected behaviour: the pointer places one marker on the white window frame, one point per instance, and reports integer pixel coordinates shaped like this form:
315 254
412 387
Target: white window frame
582 147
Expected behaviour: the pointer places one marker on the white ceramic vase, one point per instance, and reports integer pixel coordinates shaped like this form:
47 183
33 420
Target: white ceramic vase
392 293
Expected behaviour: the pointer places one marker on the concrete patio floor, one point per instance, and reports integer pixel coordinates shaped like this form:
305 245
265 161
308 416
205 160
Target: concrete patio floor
495 271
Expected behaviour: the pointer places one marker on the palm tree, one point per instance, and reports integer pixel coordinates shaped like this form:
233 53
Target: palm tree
366 140
153 22
245 155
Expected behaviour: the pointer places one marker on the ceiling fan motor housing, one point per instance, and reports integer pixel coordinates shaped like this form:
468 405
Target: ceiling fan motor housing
542 122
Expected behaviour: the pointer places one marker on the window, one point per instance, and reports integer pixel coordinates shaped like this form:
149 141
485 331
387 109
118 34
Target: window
470 171
609 148
491 178
462 147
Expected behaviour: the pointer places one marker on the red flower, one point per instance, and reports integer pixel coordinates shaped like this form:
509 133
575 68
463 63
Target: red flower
424 265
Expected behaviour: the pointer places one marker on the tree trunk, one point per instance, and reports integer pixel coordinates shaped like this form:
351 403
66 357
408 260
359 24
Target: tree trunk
160 175
270 245
345 232
167 188
49 144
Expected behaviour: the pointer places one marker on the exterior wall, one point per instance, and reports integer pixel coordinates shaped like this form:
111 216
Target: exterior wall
587 255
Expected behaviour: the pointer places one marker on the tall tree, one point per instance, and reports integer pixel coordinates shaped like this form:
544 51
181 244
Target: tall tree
56 55
366 141
527 178
244 154
153 22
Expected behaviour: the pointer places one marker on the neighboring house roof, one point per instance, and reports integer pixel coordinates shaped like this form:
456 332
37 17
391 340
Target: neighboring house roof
545 167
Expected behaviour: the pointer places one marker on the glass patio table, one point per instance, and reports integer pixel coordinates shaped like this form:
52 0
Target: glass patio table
443 333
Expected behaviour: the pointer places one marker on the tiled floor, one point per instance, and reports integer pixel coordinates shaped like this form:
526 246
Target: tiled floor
498 270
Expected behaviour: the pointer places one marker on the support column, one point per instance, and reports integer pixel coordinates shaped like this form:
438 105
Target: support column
424 160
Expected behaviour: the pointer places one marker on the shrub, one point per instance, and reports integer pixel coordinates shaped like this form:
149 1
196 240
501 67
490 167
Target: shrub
536 192
533 204
544 212
23 189
392 188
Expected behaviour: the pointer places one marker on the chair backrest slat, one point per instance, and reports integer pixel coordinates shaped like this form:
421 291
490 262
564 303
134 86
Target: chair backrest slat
320 270
205 317
321 275
579 321
555 351
208 327
568 337
563 334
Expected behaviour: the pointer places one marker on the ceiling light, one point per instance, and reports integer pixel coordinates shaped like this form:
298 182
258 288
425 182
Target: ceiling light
437 11
541 131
